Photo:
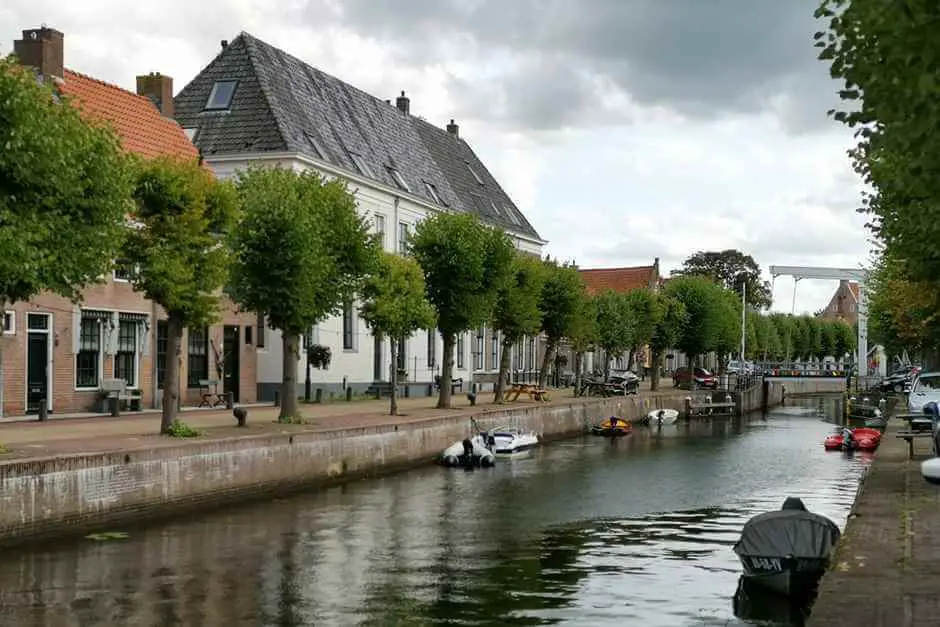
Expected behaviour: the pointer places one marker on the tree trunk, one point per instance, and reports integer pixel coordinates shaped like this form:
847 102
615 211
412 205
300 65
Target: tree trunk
171 377
578 365
656 362
546 360
500 387
447 371
289 407
393 353
631 358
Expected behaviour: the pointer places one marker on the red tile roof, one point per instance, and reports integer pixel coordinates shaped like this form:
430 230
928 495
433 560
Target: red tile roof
619 279
136 120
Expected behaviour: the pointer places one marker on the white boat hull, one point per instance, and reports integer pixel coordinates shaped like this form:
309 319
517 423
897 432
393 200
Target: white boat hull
659 417
455 454
512 443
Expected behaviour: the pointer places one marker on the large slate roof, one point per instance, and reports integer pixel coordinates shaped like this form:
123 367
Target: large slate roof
281 104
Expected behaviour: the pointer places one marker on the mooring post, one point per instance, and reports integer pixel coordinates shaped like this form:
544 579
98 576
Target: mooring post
688 407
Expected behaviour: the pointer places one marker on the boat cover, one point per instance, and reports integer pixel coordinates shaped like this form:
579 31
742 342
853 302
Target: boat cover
791 531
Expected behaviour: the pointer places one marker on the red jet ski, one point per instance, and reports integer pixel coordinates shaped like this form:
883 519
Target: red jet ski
863 439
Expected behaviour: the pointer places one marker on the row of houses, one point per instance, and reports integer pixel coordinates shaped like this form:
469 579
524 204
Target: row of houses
256 104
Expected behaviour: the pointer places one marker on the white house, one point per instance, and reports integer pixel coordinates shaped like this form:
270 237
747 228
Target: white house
256 104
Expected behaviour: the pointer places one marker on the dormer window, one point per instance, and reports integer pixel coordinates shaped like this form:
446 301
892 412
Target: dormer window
433 193
221 95
513 217
474 173
495 208
361 165
315 145
399 180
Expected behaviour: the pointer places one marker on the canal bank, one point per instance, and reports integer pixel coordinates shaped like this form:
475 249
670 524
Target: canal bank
130 479
887 568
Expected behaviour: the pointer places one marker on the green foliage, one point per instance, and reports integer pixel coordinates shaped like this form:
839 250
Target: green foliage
728 311
66 187
582 330
517 312
562 295
671 325
646 310
106 536
301 250
616 327
394 303
903 314
179 429
465 265
182 212
701 299
728 268
319 356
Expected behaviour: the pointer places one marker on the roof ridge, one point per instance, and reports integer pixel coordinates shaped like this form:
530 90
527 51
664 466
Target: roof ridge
250 44
649 267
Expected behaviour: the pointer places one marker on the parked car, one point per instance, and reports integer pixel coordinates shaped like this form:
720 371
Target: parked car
737 367
684 376
924 389
900 380
626 380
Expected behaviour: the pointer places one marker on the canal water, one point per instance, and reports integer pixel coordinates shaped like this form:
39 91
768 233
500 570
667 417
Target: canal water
585 532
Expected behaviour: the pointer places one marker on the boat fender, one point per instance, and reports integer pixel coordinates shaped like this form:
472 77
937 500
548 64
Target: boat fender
487 461
930 470
450 460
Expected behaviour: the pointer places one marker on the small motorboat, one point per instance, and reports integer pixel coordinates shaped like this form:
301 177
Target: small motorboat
505 442
863 439
661 417
612 427
468 453
930 470
787 551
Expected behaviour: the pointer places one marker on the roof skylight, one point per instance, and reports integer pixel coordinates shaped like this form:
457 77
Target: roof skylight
399 180
474 173
432 192
221 95
361 165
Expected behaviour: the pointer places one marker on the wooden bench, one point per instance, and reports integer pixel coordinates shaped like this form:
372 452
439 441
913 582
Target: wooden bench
209 391
117 388
910 437
534 392
456 385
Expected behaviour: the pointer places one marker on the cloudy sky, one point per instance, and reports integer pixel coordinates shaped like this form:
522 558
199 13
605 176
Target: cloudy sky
624 129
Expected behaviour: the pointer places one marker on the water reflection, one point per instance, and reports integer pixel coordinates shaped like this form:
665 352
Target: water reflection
587 532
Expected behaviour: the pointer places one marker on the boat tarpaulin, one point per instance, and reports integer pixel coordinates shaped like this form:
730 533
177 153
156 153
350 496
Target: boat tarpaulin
788 532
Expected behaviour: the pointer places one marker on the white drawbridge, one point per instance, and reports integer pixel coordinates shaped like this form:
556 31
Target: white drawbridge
858 275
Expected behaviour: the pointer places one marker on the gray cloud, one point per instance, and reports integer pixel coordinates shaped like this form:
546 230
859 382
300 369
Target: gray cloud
702 59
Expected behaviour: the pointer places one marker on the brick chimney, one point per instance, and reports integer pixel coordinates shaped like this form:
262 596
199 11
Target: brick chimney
44 49
159 88
403 103
453 129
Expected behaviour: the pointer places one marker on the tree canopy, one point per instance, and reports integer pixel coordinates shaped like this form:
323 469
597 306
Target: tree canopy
560 305
300 254
730 268
465 265
395 306
616 324
516 313
66 191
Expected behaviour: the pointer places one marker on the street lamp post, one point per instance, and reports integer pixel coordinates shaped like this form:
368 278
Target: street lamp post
743 319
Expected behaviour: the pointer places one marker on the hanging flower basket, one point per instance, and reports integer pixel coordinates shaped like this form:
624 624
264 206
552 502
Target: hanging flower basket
319 356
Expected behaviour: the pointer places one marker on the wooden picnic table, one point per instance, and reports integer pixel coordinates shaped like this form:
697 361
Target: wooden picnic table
534 392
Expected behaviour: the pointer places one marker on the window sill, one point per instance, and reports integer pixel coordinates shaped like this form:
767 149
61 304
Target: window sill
350 350
87 389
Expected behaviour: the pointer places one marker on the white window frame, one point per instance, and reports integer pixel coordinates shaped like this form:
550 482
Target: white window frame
399 180
135 384
361 165
212 94
101 347
378 220
9 322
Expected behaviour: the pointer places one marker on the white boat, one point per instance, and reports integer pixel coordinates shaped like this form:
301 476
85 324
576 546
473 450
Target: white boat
468 453
659 417
510 442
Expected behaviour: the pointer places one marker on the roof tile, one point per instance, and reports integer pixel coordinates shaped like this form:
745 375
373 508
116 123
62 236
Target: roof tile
138 123
621 280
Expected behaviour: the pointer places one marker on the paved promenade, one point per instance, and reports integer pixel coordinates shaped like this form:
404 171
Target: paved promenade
887 573
64 435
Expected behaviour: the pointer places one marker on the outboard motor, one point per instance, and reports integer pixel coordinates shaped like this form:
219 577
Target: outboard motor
490 441
793 502
467 457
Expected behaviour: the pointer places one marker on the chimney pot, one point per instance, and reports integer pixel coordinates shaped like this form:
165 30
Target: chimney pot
453 129
159 88
43 49
403 103
224 44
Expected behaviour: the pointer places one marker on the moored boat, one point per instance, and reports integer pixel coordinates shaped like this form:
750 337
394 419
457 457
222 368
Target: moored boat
863 439
661 417
468 453
787 551
505 442
612 427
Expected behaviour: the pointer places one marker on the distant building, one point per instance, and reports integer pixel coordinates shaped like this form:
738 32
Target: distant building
844 304
256 104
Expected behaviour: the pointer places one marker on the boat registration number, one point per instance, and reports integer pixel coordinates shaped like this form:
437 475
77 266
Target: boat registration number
765 563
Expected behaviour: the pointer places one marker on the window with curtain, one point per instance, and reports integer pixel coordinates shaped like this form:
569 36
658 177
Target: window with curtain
162 342
461 349
88 359
197 356
125 360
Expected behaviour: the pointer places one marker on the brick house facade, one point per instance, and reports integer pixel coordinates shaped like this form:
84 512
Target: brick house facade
58 352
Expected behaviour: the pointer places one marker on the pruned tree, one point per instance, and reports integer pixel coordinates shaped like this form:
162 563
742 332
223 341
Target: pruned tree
646 311
66 190
300 253
395 306
668 332
560 306
701 299
730 268
616 327
465 265
176 252
517 312
582 335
